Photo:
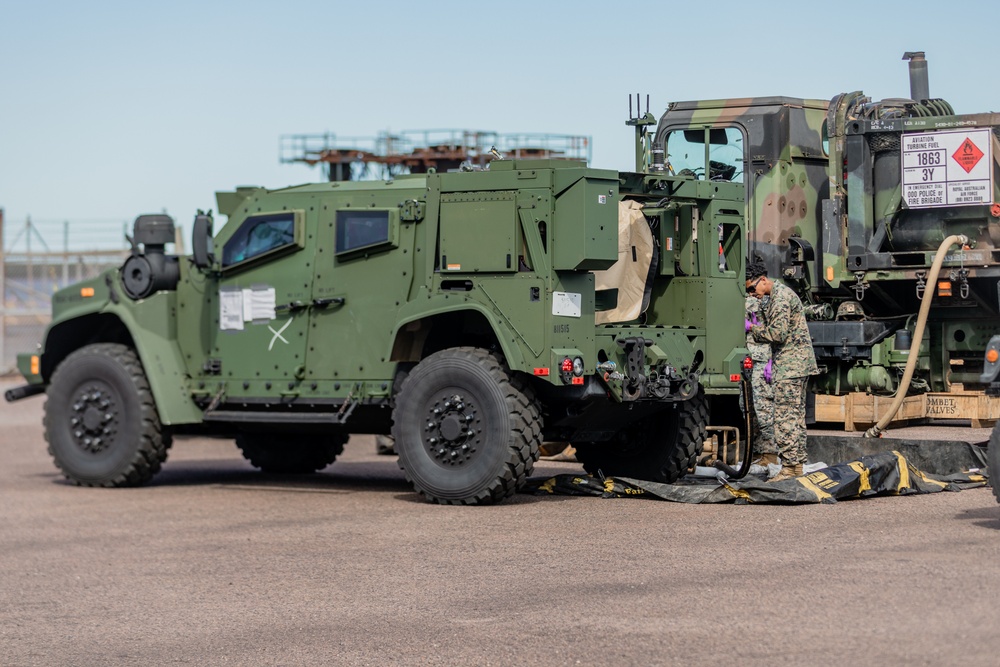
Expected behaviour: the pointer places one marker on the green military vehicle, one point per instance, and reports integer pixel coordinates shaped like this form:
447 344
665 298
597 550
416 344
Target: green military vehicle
472 315
849 202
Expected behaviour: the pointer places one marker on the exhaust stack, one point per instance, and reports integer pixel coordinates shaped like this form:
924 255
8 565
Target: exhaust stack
919 86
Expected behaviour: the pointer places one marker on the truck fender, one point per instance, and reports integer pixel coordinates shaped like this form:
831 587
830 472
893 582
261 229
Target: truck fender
160 355
164 365
400 350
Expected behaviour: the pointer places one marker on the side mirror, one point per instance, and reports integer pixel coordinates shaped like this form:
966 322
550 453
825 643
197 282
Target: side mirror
202 248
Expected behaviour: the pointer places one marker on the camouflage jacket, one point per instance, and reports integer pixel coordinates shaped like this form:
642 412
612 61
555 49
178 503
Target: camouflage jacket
784 326
759 352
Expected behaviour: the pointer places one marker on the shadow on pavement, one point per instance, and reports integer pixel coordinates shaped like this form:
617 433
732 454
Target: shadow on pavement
341 477
984 517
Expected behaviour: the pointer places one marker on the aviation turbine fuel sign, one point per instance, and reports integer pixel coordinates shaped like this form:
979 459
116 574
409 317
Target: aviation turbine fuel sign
946 168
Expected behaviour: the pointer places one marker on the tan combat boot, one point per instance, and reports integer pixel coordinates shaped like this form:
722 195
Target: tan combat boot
767 459
787 472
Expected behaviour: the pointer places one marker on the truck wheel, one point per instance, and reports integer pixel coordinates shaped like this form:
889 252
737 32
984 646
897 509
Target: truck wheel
660 448
467 432
101 421
993 461
290 454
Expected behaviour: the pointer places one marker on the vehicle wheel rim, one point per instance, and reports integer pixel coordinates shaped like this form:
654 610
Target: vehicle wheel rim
94 417
451 433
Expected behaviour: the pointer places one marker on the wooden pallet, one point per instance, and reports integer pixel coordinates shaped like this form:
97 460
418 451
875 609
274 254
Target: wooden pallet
858 411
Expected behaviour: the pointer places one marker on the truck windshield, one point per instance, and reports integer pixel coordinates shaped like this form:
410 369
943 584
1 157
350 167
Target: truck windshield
686 153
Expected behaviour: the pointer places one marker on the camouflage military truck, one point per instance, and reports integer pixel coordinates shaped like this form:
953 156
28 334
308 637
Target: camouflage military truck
472 315
848 201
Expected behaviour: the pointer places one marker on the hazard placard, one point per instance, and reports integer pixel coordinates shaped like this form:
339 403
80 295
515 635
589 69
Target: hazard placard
947 168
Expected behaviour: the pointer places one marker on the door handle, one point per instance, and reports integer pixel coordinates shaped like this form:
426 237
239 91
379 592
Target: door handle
293 306
329 301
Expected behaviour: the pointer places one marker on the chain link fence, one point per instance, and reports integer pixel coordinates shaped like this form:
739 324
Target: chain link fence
38 257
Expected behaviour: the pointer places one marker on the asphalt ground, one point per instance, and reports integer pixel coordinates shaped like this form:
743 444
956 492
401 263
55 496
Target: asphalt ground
217 564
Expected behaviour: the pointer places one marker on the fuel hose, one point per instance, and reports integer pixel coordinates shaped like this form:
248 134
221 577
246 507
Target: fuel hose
733 473
918 334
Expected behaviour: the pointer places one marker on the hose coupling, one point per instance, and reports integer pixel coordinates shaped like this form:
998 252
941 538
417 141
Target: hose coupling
873 432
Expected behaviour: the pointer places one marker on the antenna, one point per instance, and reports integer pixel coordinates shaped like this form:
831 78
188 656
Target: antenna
641 122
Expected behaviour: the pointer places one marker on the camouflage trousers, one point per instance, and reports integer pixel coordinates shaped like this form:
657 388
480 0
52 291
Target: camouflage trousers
790 420
763 411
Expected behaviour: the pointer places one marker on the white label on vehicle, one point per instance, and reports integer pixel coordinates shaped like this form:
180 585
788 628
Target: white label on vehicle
230 310
947 168
259 304
236 306
247 305
567 304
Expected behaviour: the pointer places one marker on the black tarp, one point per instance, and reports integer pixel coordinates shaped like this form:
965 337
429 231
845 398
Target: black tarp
938 457
882 474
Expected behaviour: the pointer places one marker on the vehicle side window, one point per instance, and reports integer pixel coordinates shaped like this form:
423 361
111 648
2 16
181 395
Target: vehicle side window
259 235
357 230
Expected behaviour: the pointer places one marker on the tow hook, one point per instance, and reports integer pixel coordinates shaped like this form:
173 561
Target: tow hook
634 386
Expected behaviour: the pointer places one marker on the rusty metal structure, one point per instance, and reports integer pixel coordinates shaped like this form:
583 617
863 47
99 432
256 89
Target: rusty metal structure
417 151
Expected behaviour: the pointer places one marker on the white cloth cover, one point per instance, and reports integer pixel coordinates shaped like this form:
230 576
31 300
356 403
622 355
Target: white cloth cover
627 275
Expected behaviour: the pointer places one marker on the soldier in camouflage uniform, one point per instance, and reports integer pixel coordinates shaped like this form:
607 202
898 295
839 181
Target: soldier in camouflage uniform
764 447
784 326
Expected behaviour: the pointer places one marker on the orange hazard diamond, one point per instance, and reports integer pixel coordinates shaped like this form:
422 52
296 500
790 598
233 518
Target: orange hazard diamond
968 155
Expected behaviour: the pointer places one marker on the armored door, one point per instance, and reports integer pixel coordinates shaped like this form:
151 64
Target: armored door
263 298
364 269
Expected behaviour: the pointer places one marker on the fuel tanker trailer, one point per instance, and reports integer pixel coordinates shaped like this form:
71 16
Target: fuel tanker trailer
884 217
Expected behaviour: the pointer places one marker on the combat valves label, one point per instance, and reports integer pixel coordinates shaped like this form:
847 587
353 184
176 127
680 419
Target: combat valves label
947 168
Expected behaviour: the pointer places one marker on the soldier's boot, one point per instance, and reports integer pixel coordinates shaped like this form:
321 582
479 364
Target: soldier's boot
787 472
385 446
568 454
766 460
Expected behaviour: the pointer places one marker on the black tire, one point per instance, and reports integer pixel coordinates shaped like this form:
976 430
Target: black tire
660 448
467 431
101 421
290 454
993 461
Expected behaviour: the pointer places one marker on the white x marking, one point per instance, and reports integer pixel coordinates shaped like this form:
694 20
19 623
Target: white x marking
277 334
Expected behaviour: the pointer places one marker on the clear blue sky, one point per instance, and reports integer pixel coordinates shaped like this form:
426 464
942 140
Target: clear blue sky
111 109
